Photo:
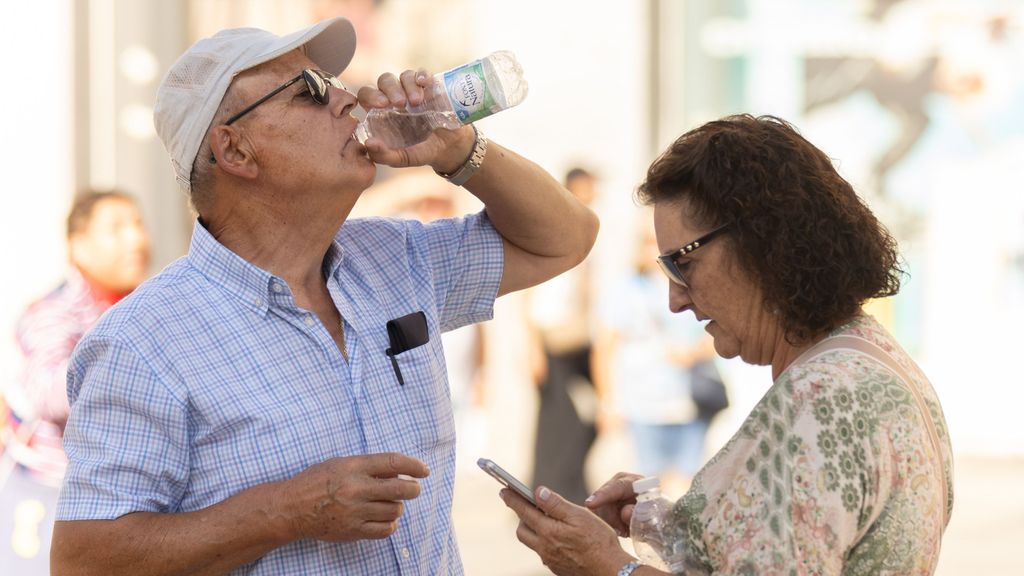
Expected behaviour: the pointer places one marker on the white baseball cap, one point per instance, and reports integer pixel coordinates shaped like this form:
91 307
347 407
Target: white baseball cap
190 94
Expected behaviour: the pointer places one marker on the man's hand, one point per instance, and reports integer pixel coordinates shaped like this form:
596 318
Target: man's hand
351 498
444 151
358 497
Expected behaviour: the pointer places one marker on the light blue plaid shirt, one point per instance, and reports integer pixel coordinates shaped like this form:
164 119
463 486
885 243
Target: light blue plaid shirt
208 380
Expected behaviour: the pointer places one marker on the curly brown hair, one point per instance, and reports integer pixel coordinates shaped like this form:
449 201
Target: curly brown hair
808 240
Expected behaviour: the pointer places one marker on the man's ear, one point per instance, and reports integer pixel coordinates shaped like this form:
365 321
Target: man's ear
78 248
231 154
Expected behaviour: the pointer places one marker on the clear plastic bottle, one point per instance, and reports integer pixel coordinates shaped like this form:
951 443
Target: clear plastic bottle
650 529
458 96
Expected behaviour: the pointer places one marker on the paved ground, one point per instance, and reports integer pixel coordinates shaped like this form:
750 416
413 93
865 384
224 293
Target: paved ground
985 535
986 532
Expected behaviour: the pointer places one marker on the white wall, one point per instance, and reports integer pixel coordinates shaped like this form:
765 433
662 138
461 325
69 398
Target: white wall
35 159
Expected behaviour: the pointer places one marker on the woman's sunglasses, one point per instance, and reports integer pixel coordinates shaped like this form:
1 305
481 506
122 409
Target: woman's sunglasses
669 261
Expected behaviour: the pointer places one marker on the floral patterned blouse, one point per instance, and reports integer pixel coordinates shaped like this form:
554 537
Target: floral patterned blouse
833 472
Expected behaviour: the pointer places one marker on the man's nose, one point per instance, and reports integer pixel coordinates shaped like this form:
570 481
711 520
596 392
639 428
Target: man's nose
342 101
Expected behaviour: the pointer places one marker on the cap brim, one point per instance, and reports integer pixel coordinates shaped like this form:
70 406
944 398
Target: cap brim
330 44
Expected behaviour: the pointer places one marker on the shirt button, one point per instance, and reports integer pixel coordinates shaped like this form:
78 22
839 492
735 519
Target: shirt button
277 287
258 302
309 320
405 553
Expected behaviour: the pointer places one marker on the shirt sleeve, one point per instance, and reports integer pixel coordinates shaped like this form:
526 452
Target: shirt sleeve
466 258
114 394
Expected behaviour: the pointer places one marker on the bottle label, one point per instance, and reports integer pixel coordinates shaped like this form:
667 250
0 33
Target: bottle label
467 90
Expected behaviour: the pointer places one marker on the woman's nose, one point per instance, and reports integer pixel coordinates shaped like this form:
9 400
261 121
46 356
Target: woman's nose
678 297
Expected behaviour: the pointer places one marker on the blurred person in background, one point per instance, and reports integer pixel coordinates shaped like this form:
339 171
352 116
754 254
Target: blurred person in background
845 465
276 401
560 326
108 253
644 357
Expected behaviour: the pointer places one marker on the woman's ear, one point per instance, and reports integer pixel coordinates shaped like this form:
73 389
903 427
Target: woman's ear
231 154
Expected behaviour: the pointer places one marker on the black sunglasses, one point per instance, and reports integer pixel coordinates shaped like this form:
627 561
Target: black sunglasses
317 82
669 261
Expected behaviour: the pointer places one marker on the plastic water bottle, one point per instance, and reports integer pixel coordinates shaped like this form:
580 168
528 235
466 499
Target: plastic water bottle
650 529
459 96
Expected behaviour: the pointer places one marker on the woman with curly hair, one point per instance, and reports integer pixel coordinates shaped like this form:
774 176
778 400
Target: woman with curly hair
845 466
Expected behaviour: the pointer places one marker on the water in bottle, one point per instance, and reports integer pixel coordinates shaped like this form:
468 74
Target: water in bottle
654 540
458 96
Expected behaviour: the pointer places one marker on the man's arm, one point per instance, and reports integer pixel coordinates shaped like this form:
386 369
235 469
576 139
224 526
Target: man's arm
209 541
342 499
546 230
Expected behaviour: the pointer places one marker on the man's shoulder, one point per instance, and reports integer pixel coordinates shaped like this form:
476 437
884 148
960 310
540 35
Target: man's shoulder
377 232
170 292
358 231
378 243
178 275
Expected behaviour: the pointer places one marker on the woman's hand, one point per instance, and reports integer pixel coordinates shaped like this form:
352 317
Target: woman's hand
613 502
444 151
569 539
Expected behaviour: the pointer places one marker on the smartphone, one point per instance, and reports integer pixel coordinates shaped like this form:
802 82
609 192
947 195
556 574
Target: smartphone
506 479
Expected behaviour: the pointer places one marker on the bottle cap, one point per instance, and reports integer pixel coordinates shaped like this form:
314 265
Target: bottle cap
644 484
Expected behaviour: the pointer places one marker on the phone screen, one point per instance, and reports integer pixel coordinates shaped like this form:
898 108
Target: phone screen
506 479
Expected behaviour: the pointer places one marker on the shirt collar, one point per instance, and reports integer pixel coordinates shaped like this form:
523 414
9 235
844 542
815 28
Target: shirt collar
333 258
248 282
234 274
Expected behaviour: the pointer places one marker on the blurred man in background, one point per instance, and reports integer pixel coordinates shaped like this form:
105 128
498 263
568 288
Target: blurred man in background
108 249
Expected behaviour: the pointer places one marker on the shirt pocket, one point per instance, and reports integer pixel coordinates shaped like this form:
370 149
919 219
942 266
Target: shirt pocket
428 403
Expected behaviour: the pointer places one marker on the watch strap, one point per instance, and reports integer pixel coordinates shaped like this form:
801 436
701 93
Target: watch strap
472 164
